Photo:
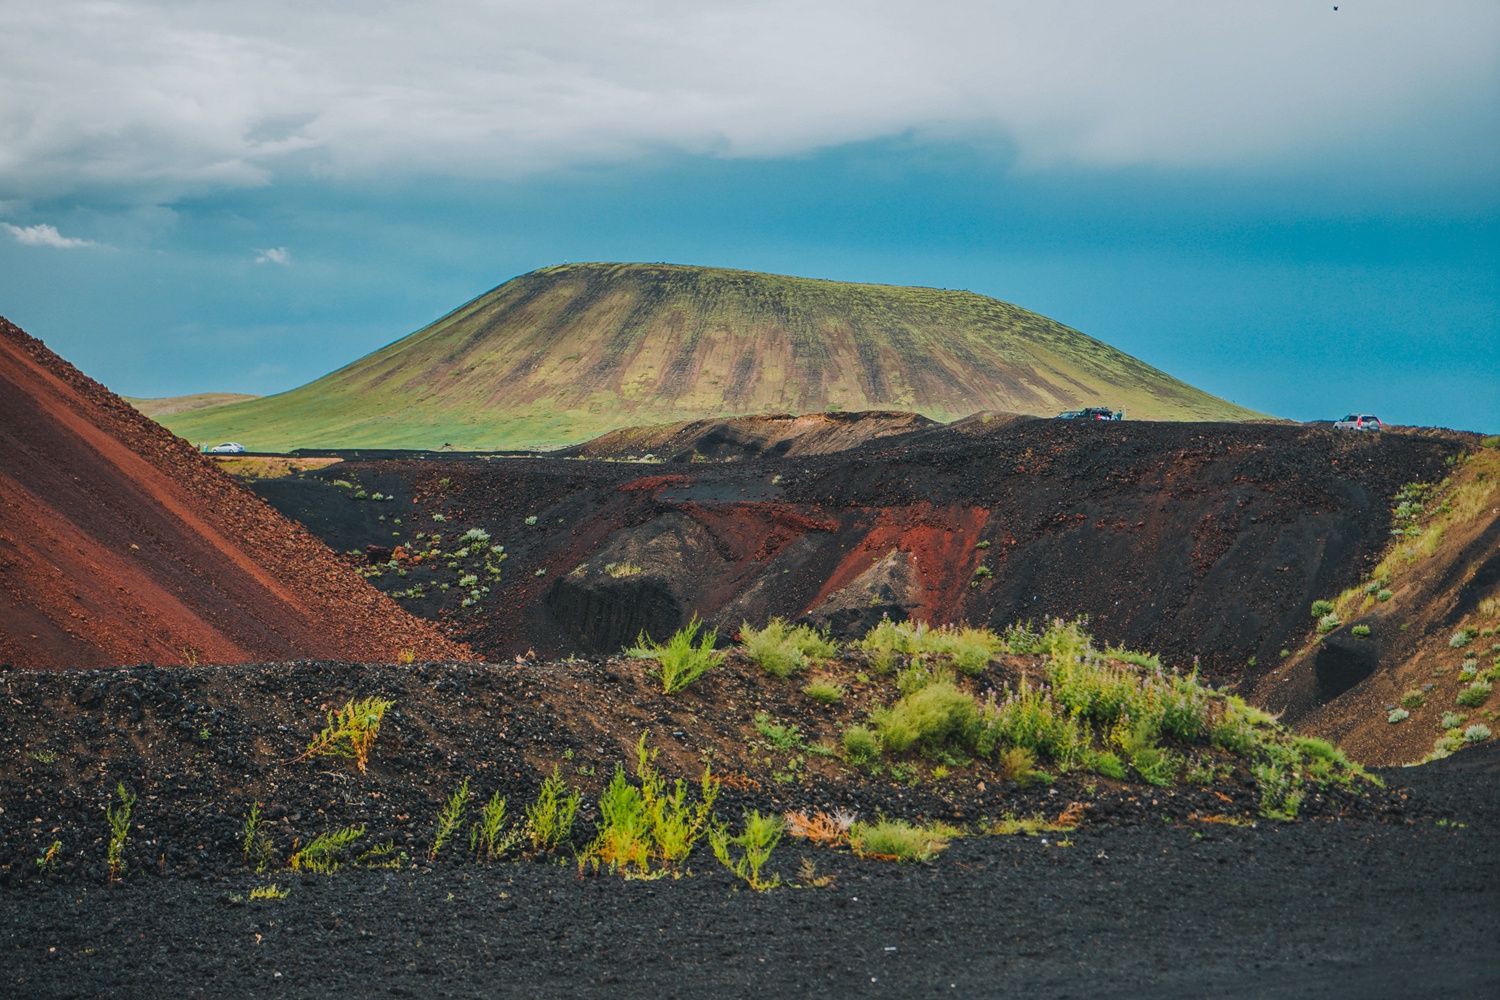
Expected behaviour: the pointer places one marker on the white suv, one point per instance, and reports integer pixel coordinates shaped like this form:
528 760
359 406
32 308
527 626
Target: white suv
1359 422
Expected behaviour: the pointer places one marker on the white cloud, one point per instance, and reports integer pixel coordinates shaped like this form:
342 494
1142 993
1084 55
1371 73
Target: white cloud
275 255
172 96
43 235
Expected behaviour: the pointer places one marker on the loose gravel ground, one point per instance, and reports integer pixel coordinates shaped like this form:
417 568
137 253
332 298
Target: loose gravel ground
1353 908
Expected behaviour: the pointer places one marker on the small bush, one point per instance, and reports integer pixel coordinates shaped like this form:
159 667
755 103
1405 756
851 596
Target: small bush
760 837
1329 622
272 891
679 660
824 691
1399 715
1460 639
1019 765
782 649
1360 631
1321 608
652 821
897 840
1106 763
1452 720
861 745
937 716
1412 699
1475 694
1477 733
1384 595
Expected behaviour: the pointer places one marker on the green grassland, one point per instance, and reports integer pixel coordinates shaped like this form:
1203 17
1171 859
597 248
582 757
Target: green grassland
566 353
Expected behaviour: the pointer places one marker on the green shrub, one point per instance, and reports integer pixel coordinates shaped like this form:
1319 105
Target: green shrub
1151 762
1105 762
897 839
487 838
1384 595
649 823
782 649
1399 715
1477 733
1460 639
971 649
1475 694
1360 631
1321 608
1031 719
1149 661
781 737
935 717
824 691
759 839
1412 699
1019 765
1329 622
1452 720
861 745
679 660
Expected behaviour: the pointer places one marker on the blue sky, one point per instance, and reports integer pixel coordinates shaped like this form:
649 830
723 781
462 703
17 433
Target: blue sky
1290 207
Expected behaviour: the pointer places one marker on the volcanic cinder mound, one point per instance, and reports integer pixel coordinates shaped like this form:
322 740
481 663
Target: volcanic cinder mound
121 544
1192 540
564 354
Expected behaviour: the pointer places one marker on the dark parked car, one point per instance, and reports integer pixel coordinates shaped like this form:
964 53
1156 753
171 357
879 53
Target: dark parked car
1092 413
1358 422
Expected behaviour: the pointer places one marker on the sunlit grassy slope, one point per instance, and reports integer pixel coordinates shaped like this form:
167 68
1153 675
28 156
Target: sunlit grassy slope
566 353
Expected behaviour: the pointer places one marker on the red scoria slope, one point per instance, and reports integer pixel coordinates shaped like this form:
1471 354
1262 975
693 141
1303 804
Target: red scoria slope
120 544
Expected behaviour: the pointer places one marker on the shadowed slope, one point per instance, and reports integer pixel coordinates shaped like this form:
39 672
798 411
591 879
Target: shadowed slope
567 353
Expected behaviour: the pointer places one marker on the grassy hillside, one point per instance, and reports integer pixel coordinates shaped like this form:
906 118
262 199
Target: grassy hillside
164 406
566 353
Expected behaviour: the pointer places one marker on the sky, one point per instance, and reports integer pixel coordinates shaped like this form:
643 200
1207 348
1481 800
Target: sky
1292 206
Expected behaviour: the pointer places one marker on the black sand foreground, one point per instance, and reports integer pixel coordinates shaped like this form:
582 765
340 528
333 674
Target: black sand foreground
1310 909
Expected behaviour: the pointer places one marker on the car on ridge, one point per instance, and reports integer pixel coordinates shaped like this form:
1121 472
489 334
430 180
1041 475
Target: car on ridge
1359 422
227 448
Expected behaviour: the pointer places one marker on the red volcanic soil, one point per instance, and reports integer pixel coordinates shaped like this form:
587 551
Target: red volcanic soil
120 544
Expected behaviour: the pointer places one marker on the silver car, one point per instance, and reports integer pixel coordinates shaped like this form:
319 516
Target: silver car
227 448
1358 422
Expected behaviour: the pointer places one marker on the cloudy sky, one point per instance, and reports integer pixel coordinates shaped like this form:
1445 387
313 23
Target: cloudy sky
1290 205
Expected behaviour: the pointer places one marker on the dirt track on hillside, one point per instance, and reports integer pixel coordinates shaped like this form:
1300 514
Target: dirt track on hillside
121 544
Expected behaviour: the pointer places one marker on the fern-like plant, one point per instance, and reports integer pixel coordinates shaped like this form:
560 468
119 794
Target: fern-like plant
351 731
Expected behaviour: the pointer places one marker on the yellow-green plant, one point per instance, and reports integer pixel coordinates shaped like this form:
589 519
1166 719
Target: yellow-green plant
759 838
487 837
782 649
257 845
650 823
321 856
549 820
119 830
824 690
898 840
272 891
351 731
450 818
680 661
